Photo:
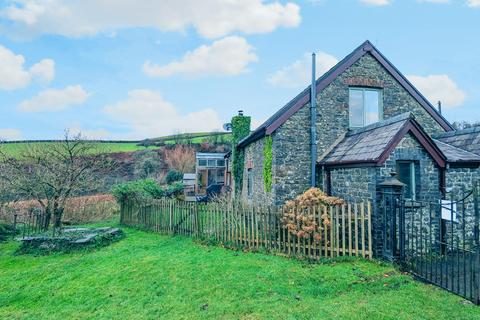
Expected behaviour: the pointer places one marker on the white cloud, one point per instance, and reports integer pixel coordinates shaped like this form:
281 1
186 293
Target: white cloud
44 70
150 115
376 2
225 57
8 134
13 74
51 100
473 3
211 18
92 134
299 73
439 88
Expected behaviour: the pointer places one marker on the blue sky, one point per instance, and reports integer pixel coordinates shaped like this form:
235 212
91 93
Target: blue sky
130 69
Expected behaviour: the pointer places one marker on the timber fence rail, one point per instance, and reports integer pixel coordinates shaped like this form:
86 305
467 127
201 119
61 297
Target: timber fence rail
339 229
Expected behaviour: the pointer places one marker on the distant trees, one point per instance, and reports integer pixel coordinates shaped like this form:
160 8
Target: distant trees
180 158
52 173
459 125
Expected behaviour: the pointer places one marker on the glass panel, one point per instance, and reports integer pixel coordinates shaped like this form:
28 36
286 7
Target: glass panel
372 106
356 108
405 176
202 162
221 163
212 163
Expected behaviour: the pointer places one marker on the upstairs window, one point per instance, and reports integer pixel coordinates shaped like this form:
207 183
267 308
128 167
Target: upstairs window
365 106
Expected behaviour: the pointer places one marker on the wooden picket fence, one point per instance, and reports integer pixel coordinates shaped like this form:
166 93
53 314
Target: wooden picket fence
342 229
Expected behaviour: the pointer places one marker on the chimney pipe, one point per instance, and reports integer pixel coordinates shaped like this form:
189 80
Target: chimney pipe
440 107
313 123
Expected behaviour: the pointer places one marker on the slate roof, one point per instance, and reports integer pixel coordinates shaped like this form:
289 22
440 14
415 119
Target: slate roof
454 154
466 139
368 143
272 123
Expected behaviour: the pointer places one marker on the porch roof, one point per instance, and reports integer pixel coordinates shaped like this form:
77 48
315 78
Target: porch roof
374 143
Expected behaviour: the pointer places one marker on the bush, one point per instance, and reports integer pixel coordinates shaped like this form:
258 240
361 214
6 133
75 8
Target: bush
142 190
6 230
173 175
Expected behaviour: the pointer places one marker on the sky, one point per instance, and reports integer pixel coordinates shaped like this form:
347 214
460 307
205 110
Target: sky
136 69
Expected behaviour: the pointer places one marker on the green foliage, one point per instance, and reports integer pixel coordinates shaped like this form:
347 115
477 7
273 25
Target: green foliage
139 190
240 129
6 230
173 175
150 276
267 164
144 190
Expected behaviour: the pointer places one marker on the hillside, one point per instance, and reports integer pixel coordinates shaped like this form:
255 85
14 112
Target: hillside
110 146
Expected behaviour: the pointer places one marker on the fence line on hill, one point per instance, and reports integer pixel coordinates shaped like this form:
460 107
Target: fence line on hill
337 229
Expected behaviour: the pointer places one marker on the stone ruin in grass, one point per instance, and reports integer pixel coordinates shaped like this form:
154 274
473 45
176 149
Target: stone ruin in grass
69 239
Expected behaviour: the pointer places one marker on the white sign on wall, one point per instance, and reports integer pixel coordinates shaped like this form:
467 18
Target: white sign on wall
447 207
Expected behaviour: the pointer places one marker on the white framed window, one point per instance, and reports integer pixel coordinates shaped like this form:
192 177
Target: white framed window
365 106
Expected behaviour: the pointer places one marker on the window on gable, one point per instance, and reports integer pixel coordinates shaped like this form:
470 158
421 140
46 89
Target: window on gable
407 173
365 106
249 183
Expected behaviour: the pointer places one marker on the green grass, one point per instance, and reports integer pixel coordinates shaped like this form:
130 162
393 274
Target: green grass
14 149
148 276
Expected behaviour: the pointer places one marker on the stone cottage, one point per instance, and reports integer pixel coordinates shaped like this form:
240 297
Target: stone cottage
369 121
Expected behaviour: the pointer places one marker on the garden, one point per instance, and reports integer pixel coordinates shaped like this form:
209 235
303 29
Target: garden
141 252
150 276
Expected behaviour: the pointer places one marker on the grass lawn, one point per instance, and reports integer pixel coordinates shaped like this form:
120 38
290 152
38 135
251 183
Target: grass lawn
149 276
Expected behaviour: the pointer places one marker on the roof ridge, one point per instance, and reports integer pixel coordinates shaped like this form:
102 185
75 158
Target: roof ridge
457 132
380 124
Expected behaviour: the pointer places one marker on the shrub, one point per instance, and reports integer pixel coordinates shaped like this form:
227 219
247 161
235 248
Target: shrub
143 190
6 230
172 176
299 220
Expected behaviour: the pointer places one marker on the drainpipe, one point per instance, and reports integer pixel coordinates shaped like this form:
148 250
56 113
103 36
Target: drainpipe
313 123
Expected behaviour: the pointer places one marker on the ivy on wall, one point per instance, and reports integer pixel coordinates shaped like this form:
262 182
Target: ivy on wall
240 129
267 164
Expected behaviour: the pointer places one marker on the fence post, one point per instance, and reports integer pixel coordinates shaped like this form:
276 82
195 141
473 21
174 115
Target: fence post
14 223
171 217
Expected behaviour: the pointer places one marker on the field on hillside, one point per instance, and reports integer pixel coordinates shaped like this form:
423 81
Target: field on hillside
112 147
149 276
107 147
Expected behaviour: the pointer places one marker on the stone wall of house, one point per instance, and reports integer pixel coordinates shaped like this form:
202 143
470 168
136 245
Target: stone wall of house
291 157
354 184
333 101
254 158
291 141
428 188
459 183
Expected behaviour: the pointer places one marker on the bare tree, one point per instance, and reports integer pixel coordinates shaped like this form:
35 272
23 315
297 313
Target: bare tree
52 173
180 158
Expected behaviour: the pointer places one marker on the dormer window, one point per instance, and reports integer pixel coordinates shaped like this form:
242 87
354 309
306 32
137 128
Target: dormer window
365 106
